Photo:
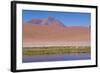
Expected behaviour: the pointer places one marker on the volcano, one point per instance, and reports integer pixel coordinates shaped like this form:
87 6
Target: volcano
53 32
48 21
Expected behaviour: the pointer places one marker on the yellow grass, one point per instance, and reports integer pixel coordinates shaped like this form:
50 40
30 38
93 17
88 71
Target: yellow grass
33 51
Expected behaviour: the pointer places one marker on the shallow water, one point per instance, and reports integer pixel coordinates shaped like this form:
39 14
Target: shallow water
65 57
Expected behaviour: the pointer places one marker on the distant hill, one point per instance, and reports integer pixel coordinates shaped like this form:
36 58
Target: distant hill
50 21
53 31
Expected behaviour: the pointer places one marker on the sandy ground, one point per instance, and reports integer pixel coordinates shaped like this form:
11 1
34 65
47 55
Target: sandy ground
44 44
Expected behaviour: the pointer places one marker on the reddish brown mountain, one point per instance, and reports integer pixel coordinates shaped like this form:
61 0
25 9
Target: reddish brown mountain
52 30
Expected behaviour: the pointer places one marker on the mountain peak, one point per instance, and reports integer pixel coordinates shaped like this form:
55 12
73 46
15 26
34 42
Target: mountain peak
51 18
53 21
48 21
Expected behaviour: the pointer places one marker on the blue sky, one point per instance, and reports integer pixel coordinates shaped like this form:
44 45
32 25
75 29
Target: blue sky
67 18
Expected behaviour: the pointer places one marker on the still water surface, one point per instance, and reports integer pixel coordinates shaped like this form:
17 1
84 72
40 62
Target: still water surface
65 57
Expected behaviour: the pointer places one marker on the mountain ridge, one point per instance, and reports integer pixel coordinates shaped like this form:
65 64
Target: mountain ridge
53 31
47 21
